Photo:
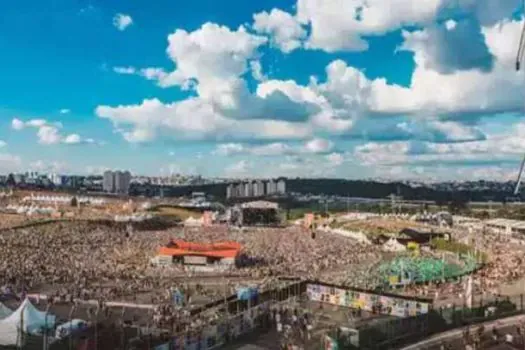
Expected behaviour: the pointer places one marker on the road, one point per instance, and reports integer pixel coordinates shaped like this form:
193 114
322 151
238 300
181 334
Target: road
453 338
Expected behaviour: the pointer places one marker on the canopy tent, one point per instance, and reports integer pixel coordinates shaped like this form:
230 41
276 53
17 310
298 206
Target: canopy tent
28 319
4 311
392 245
246 293
193 222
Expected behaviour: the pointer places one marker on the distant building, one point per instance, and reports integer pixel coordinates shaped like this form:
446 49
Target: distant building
230 191
281 186
122 181
271 187
258 189
248 190
108 183
57 180
19 179
116 182
255 188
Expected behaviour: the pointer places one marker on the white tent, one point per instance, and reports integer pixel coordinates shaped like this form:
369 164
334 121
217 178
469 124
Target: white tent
26 318
392 245
193 222
4 311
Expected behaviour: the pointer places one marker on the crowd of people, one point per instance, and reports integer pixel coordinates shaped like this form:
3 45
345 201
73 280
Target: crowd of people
88 260
92 261
112 262
9 220
500 274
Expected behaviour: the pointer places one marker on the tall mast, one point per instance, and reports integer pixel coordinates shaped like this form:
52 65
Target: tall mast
519 60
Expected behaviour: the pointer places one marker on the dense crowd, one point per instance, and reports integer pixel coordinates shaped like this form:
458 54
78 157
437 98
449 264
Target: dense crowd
504 267
89 260
92 261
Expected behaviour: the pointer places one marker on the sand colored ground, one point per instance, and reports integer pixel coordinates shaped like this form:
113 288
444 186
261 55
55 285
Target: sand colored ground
180 213
378 225
11 220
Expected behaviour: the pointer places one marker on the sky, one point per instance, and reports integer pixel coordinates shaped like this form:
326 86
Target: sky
385 89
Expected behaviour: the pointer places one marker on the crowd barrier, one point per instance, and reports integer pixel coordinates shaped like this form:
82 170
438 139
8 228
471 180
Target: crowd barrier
398 332
244 317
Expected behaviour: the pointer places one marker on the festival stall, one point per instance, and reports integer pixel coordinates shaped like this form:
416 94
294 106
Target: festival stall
26 319
4 311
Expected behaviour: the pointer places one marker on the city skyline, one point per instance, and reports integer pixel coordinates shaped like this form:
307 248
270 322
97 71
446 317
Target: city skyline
291 88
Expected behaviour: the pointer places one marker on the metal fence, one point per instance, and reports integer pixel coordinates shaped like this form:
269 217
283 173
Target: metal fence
395 333
115 329
118 329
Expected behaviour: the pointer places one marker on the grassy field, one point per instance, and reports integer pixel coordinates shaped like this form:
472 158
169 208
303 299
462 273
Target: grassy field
179 213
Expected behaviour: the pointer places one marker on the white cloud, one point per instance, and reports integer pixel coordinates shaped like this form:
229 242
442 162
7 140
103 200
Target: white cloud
241 168
122 21
213 60
64 111
314 146
72 139
49 133
464 92
210 55
335 159
318 146
227 149
3 144
17 124
341 24
124 70
285 31
497 148
48 166
450 24
9 163
256 69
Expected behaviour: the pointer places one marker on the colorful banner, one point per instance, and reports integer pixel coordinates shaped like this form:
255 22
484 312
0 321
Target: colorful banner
366 301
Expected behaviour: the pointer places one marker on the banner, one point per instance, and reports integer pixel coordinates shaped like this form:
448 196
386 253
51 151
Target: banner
387 305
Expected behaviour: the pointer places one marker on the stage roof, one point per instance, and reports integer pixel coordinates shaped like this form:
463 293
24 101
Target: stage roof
212 250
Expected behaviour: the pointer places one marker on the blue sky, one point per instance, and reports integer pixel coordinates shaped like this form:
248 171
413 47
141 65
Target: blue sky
342 88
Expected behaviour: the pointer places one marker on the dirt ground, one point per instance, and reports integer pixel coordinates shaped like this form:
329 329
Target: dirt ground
379 225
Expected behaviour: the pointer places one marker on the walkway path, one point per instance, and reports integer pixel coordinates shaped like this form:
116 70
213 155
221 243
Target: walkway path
457 333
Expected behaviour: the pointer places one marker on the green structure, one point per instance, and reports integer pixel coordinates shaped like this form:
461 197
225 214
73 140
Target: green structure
407 270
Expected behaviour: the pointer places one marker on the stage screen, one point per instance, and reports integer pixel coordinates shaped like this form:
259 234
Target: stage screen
260 217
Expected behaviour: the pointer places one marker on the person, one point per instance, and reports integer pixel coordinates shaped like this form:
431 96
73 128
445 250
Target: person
495 334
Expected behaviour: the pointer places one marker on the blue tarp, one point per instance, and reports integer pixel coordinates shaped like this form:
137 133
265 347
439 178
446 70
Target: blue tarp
178 298
246 293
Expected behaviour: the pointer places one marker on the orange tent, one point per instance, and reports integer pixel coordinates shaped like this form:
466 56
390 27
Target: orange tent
212 250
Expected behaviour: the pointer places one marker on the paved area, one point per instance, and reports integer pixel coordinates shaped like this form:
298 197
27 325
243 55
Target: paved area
454 339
